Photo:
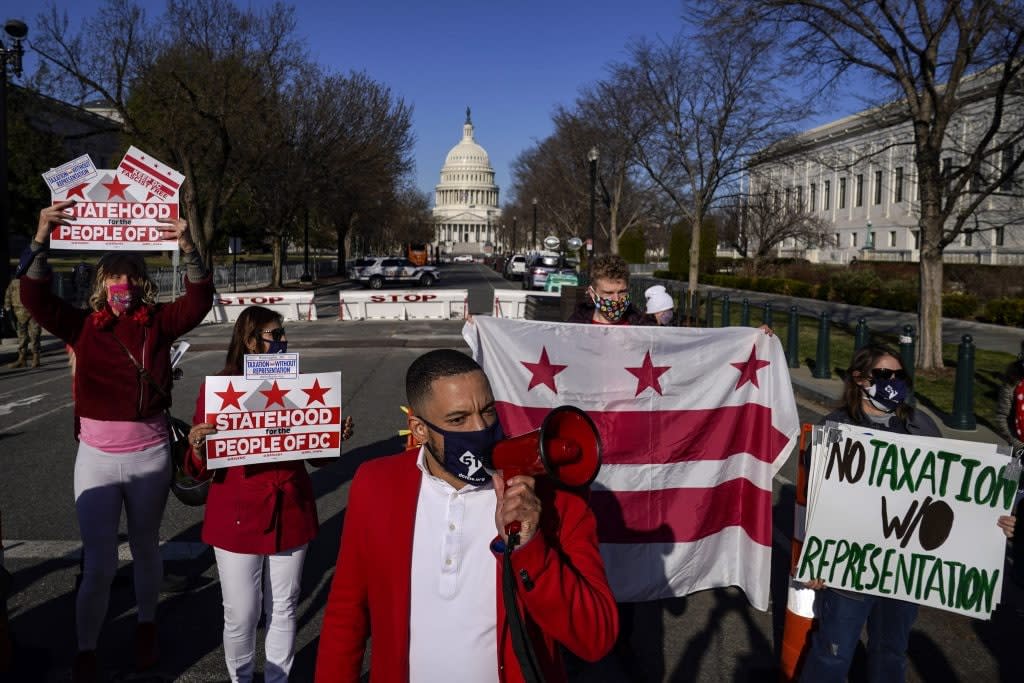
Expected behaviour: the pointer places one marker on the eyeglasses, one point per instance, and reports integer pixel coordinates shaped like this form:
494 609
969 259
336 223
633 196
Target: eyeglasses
886 374
276 333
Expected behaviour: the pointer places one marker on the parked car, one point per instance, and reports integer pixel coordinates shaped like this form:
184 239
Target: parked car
463 258
375 272
538 268
515 267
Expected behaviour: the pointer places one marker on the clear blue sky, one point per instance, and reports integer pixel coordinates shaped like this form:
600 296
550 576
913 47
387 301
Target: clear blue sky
512 62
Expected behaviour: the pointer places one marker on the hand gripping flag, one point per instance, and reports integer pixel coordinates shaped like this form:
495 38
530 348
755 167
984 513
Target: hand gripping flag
695 424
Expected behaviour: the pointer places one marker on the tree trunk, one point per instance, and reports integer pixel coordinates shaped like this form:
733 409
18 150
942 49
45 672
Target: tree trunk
275 268
929 346
698 218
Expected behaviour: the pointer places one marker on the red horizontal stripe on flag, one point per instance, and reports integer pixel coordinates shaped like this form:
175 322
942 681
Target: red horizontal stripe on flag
151 171
658 437
682 515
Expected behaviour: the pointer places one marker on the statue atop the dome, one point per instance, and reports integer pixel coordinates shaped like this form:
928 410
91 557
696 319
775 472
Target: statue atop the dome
468 121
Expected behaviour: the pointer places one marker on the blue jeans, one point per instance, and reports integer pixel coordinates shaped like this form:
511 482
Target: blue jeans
840 618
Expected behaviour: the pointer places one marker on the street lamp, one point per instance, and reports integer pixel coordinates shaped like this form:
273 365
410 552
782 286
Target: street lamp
533 242
16 31
306 277
592 157
515 221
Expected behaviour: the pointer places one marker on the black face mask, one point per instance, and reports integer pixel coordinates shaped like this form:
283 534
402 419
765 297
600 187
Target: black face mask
466 452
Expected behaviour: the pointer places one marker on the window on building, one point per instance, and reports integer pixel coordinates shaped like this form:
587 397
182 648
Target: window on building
842 193
828 194
871 240
878 187
836 239
947 168
917 238
1000 237
789 197
860 190
1007 184
898 185
968 239
892 238
814 197
800 198
853 239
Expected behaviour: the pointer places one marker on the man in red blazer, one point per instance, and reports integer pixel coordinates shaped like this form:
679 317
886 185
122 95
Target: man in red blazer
419 569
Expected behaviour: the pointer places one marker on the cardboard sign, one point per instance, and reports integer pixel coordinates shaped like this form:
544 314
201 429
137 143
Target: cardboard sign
907 517
262 420
80 170
271 365
117 209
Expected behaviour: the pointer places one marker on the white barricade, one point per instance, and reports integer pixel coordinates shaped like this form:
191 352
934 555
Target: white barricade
290 305
404 304
511 303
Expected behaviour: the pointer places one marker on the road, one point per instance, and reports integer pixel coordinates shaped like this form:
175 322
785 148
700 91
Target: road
711 636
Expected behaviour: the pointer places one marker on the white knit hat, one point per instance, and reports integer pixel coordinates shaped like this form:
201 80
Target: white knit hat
658 299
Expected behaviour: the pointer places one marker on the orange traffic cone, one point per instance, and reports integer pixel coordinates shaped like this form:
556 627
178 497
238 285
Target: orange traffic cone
5 632
800 600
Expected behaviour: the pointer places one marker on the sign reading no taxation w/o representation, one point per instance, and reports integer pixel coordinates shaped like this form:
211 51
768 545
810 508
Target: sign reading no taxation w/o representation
907 517
273 420
116 208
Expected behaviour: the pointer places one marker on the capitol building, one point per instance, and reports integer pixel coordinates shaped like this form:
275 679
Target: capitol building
466 211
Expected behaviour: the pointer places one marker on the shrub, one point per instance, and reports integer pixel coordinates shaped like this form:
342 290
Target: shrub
633 246
679 250
957 305
855 286
667 275
1004 311
799 288
899 295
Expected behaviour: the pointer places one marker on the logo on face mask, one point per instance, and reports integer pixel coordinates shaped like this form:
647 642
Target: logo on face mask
472 463
887 395
464 452
611 309
122 297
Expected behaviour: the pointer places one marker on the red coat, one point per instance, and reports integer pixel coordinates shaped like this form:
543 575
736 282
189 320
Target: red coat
569 601
106 385
256 509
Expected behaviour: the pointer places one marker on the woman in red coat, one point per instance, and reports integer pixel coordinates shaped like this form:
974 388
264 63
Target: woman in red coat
259 520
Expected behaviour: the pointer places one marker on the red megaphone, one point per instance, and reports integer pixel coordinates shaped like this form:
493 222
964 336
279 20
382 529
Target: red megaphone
566 448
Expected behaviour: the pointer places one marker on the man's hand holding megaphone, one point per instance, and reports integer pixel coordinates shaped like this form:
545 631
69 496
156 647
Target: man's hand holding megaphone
517 502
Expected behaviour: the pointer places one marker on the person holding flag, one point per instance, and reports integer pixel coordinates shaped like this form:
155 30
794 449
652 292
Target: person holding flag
121 390
609 295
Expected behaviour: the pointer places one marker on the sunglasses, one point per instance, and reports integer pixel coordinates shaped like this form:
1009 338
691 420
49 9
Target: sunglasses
886 374
276 333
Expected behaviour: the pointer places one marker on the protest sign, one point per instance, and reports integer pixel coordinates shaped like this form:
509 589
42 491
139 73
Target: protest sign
907 517
117 209
80 170
271 365
264 420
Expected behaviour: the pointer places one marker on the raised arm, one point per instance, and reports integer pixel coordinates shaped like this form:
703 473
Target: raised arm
190 308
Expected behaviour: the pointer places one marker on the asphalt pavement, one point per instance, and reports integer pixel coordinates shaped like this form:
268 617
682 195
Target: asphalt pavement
710 636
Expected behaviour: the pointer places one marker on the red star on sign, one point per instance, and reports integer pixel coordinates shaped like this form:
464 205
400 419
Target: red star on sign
316 392
647 375
230 397
77 190
748 368
274 395
116 188
543 371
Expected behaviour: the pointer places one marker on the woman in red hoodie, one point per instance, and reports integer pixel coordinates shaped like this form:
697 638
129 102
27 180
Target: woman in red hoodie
259 520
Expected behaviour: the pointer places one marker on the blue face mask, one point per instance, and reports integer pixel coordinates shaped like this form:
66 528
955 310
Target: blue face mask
276 346
887 394
466 452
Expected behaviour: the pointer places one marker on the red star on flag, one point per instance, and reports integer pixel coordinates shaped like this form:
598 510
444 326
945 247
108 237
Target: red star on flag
647 375
230 397
543 371
274 395
77 190
116 188
748 368
316 393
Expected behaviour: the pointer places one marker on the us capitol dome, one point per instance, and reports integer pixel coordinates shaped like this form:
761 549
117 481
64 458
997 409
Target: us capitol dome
466 209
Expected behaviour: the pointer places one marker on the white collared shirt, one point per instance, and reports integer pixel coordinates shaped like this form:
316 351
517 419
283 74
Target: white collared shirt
452 617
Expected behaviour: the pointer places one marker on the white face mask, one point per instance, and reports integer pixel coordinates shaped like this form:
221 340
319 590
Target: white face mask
664 317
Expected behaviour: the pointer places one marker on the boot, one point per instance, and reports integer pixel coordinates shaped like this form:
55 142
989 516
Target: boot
147 649
20 363
85 668
35 359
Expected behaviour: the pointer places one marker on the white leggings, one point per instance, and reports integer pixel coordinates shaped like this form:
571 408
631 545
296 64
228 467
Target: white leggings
104 482
246 581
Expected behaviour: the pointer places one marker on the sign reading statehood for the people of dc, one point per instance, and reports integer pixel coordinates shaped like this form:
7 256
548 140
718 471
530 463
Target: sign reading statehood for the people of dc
907 517
272 420
116 209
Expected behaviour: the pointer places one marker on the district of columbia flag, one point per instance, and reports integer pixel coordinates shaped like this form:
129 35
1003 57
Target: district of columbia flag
695 424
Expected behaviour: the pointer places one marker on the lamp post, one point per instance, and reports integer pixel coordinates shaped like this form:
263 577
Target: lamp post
306 277
16 31
533 243
592 157
515 222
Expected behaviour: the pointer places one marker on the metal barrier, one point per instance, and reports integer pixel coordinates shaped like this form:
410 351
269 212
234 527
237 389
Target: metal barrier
405 304
243 275
511 303
289 305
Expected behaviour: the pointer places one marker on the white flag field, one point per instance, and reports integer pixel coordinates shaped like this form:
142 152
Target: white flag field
695 423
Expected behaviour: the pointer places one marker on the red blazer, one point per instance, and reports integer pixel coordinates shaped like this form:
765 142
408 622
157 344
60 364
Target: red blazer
566 600
256 509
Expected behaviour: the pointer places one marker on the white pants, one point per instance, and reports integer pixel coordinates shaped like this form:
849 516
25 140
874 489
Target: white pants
104 483
251 584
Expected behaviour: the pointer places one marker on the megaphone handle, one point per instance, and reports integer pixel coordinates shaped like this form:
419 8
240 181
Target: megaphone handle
512 530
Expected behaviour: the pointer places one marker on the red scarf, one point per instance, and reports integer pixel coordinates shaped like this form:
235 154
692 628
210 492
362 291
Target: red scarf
104 319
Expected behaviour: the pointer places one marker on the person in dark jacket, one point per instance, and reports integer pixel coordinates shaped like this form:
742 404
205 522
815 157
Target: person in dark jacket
608 292
259 519
123 458
875 392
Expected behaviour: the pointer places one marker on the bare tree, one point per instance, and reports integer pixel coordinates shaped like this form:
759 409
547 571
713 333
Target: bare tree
937 60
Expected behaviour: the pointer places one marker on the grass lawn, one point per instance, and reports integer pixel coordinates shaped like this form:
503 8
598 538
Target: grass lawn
933 389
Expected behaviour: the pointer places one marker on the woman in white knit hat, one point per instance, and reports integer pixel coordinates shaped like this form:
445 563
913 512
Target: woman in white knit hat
659 304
